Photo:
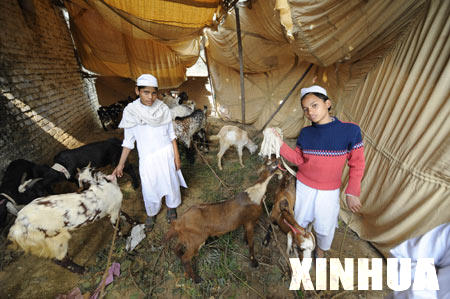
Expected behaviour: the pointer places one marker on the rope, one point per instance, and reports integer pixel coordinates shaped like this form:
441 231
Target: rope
287 96
345 234
105 274
290 170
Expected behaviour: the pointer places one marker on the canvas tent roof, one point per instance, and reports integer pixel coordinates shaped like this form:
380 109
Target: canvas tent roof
385 65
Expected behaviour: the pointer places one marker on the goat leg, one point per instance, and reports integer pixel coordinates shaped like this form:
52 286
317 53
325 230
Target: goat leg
134 179
249 234
67 263
268 236
204 140
186 259
179 250
127 218
239 150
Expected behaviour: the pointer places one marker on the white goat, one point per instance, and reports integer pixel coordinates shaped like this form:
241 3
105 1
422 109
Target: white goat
170 100
43 226
232 135
182 110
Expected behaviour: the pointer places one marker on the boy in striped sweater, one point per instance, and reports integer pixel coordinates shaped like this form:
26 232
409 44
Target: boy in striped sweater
321 153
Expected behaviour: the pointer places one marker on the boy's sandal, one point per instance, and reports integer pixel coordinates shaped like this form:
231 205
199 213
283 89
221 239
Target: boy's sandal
171 215
149 223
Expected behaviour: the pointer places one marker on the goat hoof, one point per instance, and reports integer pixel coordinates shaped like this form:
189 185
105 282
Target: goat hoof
254 263
76 269
71 266
198 279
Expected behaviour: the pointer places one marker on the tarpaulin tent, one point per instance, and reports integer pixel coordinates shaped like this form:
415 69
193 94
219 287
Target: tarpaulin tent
385 65
128 38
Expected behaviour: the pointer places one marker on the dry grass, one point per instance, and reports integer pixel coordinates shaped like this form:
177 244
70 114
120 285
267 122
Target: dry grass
153 270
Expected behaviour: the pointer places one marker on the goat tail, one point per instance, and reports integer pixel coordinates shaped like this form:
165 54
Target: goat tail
214 137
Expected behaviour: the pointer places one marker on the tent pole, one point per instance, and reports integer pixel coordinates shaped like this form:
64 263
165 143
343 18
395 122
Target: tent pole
241 62
286 97
209 73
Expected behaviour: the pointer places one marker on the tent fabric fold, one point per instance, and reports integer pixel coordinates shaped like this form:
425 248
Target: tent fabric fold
385 65
128 38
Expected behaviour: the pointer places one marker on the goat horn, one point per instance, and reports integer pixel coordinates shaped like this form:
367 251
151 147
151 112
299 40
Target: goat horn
28 184
24 176
23 186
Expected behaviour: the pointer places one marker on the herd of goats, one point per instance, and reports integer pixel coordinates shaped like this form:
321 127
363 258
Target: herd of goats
44 220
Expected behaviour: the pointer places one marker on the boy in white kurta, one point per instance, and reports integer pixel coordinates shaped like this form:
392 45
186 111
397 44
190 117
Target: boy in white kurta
147 121
433 244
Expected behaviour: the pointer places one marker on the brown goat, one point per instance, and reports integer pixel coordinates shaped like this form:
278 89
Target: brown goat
207 220
283 215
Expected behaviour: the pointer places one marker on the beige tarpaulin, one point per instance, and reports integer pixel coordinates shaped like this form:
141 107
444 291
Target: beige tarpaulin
403 109
385 65
128 38
322 35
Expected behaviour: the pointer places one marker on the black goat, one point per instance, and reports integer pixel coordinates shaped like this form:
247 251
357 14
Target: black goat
98 154
111 115
182 98
26 175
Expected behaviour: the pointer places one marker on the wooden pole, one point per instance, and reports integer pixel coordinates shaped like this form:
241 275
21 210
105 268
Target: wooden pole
213 94
241 61
287 96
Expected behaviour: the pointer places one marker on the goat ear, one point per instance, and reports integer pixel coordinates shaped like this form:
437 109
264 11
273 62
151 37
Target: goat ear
89 165
78 170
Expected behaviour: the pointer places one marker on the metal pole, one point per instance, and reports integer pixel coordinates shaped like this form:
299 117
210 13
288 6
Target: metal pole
209 73
287 96
241 62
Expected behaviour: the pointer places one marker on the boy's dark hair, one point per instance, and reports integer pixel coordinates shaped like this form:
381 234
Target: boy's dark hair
317 94
140 87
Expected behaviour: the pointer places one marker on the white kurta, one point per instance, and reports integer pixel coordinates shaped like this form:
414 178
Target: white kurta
434 244
156 165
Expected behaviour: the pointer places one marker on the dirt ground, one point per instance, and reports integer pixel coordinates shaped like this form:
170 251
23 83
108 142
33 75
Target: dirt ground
152 270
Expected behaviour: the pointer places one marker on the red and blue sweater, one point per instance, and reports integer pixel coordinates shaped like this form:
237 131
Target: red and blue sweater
321 154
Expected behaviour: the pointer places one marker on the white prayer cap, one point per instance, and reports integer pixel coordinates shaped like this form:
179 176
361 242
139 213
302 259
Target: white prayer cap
314 88
147 80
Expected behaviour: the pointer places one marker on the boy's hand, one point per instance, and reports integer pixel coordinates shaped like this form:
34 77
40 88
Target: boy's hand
353 203
118 171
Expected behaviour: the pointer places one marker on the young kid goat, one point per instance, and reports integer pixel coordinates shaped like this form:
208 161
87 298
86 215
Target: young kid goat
207 220
283 215
43 226
232 135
